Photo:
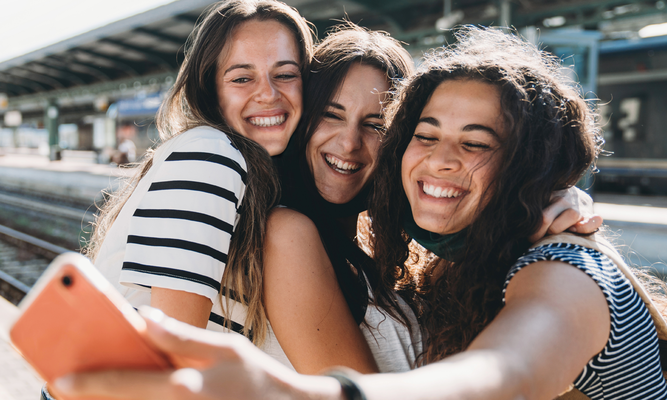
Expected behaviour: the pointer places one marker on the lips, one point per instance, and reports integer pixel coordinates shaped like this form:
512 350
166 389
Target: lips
442 192
267 121
343 167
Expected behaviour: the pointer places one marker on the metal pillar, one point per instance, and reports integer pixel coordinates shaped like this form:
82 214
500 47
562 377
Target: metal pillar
505 14
51 124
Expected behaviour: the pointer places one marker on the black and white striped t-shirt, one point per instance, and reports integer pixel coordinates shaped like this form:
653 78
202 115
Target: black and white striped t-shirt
175 229
629 365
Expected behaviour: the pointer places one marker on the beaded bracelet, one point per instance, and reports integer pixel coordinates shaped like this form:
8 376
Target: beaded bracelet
351 389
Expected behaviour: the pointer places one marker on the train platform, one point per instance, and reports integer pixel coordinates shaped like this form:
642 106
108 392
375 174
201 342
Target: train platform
18 381
76 176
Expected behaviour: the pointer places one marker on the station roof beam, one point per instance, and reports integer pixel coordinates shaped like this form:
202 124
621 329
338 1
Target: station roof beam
109 63
29 85
76 67
160 59
45 69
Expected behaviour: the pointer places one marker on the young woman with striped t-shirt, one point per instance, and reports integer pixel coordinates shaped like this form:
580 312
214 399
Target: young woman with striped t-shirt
166 240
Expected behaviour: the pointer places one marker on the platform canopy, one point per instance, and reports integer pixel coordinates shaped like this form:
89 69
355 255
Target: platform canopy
145 50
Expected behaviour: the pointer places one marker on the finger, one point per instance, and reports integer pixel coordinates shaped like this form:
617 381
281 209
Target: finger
539 234
564 220
187 345
586 226
131 385
549 214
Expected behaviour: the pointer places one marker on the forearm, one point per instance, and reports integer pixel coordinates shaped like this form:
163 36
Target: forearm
478 374
313 387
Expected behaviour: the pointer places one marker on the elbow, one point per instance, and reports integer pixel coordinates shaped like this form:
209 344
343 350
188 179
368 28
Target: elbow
516 378
525 386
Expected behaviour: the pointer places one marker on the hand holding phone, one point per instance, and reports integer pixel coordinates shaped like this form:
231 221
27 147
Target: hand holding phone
73 320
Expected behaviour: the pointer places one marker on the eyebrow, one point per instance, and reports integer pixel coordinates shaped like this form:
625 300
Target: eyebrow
467 128
477 127
251 66
430 121
339 106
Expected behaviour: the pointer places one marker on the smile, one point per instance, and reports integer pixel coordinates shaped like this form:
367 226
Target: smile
440 192
343 167
267 121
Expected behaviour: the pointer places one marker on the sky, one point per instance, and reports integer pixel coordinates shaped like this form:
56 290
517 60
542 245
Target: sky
28 25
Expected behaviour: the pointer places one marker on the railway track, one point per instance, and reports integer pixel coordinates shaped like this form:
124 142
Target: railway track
34 229
23 258
59 220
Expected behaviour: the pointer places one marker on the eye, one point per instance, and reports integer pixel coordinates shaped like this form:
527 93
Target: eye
331 115
424 139
476 146
376 127
286 76
240 80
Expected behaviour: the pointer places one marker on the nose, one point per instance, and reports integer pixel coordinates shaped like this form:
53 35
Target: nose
349 138
267 91
444 157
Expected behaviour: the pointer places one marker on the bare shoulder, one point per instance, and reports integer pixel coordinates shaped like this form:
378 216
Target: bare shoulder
565 292
550 280
293 242
285 223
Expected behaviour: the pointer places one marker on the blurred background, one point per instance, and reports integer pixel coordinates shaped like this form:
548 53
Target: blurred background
81 81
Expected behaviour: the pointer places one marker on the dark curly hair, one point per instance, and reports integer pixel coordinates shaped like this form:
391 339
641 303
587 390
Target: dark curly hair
552 140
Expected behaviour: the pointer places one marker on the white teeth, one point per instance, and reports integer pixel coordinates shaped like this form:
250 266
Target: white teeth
439 192
267 121
342 166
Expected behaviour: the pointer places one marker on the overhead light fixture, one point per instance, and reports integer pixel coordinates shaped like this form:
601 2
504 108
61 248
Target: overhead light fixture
449 18
653 30
554 22
448 21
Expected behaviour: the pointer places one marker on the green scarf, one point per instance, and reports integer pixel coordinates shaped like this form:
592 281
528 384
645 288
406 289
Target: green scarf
450 247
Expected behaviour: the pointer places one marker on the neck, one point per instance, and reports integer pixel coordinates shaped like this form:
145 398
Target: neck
349 225
450 247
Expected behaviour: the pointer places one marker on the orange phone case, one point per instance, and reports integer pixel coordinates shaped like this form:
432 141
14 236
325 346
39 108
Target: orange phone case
74 320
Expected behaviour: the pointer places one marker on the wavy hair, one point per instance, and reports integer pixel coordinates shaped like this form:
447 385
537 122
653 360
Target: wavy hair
193 102
345 45
552 141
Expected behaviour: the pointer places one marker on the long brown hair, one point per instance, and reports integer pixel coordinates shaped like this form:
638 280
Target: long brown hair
193 102
345 45
552 140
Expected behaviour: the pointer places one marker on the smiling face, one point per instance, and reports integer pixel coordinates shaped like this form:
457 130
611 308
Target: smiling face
343 150
259 83
454 155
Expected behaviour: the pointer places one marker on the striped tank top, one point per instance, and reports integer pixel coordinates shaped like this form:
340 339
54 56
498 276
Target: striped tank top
629 365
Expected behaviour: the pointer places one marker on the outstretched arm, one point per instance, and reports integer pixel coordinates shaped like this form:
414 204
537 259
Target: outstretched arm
213 366
303 301
555 320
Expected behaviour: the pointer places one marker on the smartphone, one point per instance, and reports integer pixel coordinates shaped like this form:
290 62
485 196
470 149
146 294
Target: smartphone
73 320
